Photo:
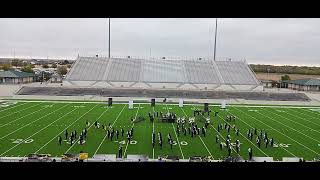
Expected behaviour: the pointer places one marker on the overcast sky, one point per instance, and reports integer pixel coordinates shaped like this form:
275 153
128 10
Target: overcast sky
264 41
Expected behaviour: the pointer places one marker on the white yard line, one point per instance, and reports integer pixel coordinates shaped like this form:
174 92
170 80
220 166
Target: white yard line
88 130
21 117
13 107
295 121
176 135
106 134
124 154
279 132
19 111
177 140
310 111
37 132
300 112
65 129
289 126
198 136
32 122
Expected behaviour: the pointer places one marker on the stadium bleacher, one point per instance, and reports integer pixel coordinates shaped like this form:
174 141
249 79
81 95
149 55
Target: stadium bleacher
162 71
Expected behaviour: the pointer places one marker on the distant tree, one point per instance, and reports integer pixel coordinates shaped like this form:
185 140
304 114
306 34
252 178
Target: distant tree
27 69
69 65
54 65
66 62
62 70
16 62
285 78
45 66
6 67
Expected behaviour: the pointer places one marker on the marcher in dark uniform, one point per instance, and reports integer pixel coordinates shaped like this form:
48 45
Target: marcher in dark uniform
120 152
60 140
267 142
271 142
185 131
220 145
250 153
152 139
171 143
203 131
229 151
117 134
258 141
66 134
122 131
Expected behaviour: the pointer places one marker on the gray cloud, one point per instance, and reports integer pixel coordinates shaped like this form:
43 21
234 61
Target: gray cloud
265 41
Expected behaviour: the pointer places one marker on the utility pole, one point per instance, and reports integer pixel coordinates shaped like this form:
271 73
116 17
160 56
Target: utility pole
109 39
215 41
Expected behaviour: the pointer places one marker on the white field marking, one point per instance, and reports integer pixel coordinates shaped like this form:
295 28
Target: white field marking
241 133
37 132
289 126
303 118
306 114
33 122
13 107
279 132
311 110
298 122
22 117
124 154
65 129
20 111
196 103
88 130
256 145
177 140
176 135
106 134
198 136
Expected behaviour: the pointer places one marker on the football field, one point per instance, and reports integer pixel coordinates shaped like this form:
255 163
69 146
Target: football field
34 127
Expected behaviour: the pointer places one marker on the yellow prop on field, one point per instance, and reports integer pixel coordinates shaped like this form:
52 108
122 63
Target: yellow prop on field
83 156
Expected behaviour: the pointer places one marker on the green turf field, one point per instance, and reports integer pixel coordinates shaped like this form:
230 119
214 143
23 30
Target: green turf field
34 127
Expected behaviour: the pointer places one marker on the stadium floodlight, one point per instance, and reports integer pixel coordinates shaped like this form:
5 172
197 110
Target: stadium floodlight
215 41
